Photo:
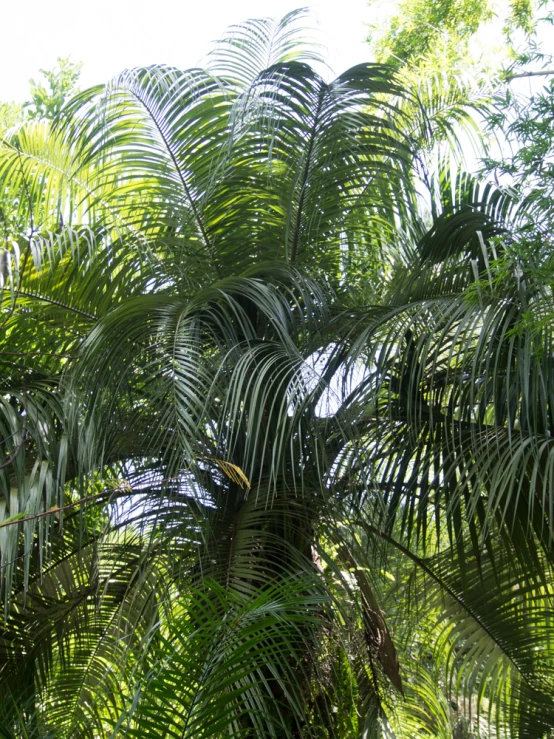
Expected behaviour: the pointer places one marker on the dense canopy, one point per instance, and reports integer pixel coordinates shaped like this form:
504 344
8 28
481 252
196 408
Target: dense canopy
276 411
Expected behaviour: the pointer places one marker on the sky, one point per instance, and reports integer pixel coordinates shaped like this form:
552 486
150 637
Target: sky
111 35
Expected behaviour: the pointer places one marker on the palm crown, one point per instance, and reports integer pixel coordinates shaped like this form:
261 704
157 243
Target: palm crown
298 436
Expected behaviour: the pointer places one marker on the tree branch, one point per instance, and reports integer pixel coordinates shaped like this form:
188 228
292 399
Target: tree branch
56 509
519 75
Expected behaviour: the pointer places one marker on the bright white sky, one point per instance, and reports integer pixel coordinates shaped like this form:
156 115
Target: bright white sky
110 35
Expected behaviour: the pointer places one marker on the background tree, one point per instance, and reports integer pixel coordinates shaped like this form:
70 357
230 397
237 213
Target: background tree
439 36
10 114
47 101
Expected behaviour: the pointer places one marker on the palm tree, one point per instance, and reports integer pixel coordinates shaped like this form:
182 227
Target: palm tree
273 441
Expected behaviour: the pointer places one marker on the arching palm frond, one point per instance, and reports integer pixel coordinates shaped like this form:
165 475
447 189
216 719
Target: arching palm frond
259 44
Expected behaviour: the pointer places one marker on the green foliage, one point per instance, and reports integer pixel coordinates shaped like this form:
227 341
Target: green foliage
528 170
276 412
456 36
47 100
10 115
442 28
522 15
